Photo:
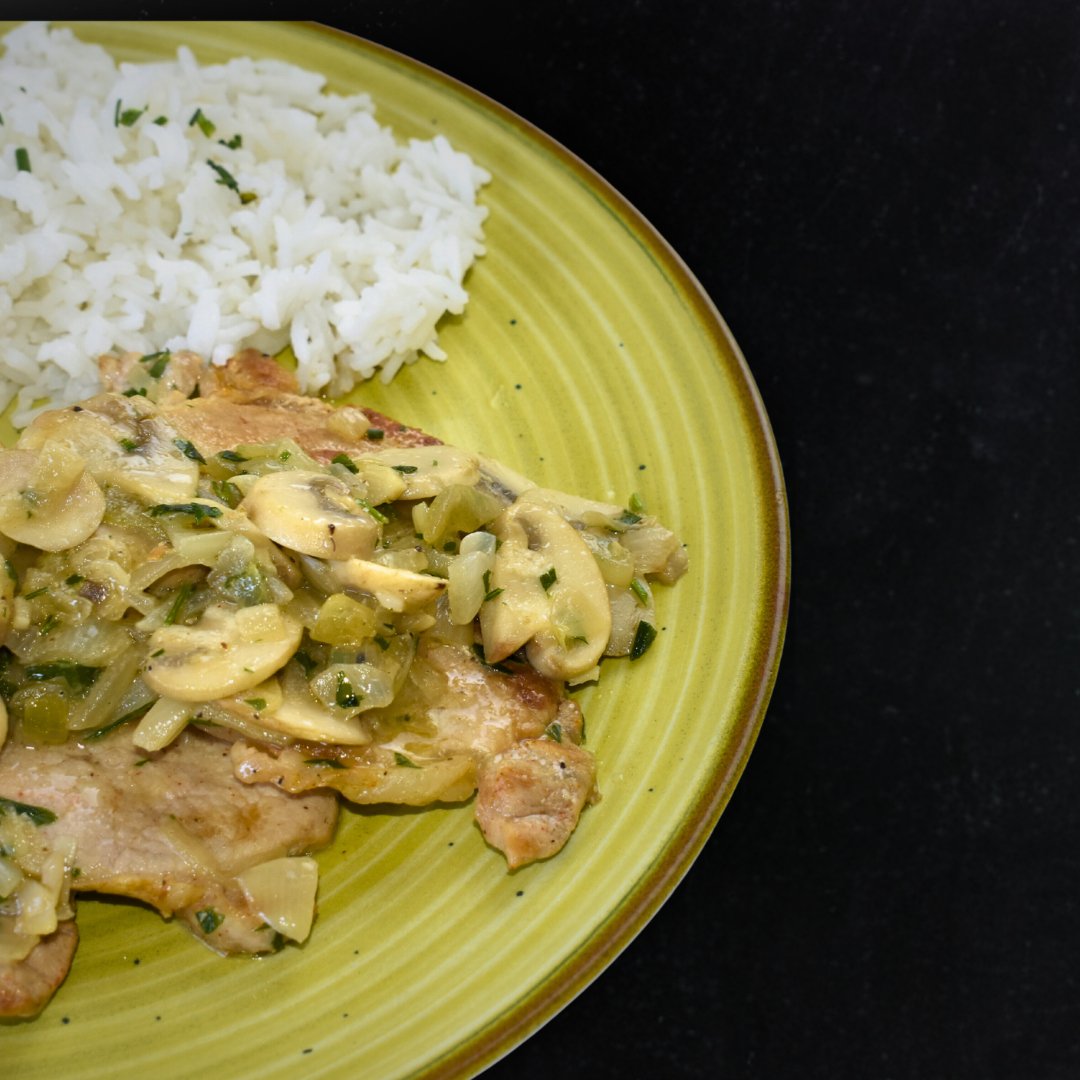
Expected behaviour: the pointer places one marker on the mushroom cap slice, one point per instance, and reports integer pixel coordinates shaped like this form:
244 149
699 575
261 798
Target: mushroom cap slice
394 588
228 651
48 499
548 593
312 513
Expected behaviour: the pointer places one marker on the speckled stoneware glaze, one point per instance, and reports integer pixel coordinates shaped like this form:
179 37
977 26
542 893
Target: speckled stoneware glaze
590 359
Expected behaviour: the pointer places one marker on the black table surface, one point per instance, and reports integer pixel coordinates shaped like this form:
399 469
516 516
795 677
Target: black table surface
882 199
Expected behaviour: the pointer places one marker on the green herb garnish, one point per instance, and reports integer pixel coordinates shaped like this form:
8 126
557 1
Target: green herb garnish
49 625
344 459
37 814
130 445
126 118
404 468
346 697
404 762
178 603
628 517
206 125
199 511
161 121
644 636
35 594
489 592
132 392
188 450
553 731
257 703
234 143
120 721
637 587
209 920
227 492
158 362
77 676
22 159
374 433
548 578
75 579
231 455
637 504
326 762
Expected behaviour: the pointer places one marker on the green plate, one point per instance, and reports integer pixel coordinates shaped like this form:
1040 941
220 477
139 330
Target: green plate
590 359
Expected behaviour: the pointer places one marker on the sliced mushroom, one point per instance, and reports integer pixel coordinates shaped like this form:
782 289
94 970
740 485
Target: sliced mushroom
48 499
395 589
312 513
549 593
428 470
124 443
228 651
301 717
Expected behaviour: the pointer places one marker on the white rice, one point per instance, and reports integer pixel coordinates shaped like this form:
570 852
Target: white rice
348 244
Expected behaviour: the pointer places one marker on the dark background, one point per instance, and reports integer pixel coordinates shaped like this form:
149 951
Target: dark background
882 200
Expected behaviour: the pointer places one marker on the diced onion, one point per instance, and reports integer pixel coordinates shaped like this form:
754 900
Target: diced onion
165 720
283 893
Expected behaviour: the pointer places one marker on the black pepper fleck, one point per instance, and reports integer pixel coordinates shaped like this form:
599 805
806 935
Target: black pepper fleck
65 1019
521 892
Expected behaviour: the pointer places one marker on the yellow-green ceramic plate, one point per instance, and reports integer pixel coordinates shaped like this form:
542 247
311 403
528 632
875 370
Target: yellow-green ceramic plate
590 359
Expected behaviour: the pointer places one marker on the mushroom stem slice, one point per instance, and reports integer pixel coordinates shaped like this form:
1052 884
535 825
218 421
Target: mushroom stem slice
228 651
395 589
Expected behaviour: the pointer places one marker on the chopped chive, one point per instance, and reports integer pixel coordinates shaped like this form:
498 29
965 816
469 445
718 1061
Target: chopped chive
548 578
644 636
231 455
206 125
161 121
120 721
199 511
188 450
158 362
404 468
374 433
227 492
22 159
209 920
35 594
126 118
140 392
234 143
637 587
637 504
178 603
49 625
77 676
346 696
37 814
344 459
377 514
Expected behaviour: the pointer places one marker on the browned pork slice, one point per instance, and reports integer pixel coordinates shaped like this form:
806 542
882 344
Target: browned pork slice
531 796
172 828
26 987
253 399
457 722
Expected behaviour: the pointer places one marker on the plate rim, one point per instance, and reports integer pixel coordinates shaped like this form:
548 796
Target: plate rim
539 1003
542 1002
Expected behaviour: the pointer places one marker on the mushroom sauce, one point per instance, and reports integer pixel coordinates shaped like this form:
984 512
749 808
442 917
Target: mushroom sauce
325 613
